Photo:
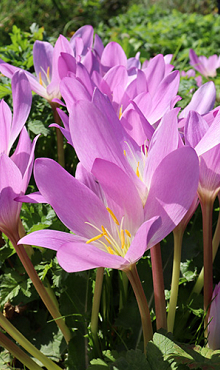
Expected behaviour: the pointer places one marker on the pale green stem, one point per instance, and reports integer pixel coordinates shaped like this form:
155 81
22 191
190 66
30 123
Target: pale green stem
207 208
60 148
96 306
18 337
42 291
134 279
178 236
17 352
215 244
158 282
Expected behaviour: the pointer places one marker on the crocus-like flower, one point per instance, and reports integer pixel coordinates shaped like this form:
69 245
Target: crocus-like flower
206 66
119 159
202 102
15 171
110 235
139 102
214 320
15 174
11 126
46 82
203 134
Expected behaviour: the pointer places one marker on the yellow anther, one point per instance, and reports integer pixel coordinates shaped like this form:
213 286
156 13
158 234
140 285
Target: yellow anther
40 79
48 72
107 239
103 230
122 239
120 112
124 152
110 250
137 170
94 239
113 216
127 232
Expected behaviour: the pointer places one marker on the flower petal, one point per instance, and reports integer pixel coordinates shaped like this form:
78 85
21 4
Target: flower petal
142 239
51 239
172 189
119 187
22 99
79 204
74 257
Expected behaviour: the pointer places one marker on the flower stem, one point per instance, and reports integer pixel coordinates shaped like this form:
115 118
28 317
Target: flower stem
96 306
178 236
215 244
17 352
134 279
123 289
60 148
18 337
207 207
42 291
158 282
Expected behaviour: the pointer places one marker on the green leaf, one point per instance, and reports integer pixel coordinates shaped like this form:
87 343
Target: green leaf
134 360
37 128
98 364
183 356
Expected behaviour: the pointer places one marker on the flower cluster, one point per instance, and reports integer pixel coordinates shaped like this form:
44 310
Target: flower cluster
144 165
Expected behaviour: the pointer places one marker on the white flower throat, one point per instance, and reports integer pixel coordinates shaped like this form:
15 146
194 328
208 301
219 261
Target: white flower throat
118 244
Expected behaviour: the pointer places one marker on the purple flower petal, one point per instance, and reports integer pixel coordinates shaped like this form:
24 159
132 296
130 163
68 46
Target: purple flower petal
172 189
51 239
22 99
80 204
142 239
74 257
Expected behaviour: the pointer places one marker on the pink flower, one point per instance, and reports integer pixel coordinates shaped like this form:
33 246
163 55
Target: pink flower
15 171
206 66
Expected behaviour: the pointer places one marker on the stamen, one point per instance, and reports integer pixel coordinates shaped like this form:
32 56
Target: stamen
48 73
40 79
124 152
120 112
110 250
122 239
94 239
113 243
107 239
103 230
127 232
96 228
113 216
137 170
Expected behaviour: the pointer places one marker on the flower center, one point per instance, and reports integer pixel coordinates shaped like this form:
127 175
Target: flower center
136 160
47 75
116 242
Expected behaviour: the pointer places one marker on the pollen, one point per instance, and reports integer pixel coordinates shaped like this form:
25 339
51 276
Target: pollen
110 250
116 240
48 73
103 230
127 232
94 239
40 79
120 112
137 170
112 215
122 239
